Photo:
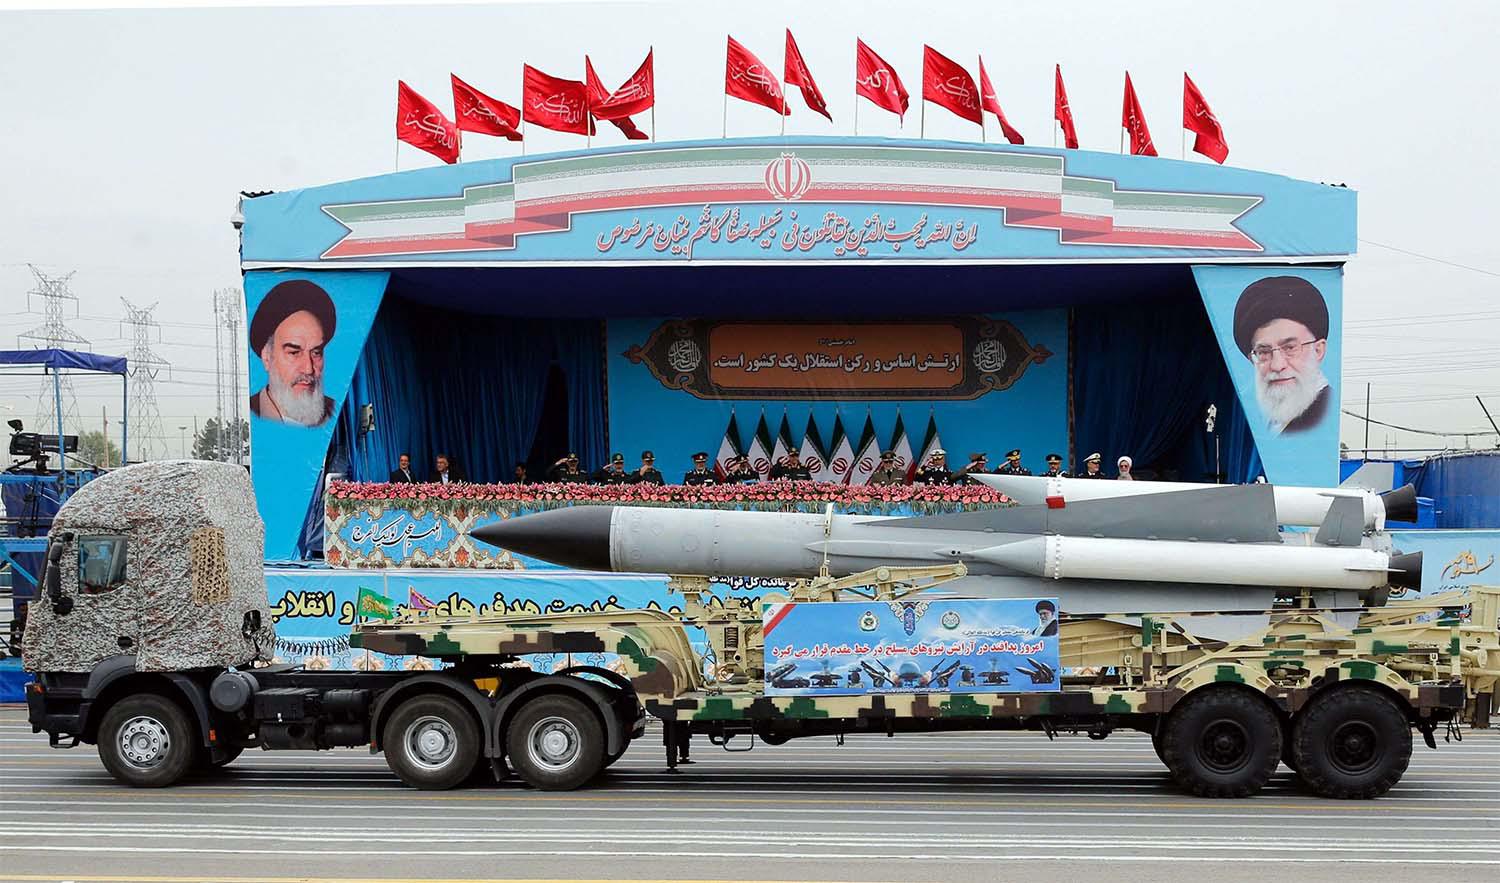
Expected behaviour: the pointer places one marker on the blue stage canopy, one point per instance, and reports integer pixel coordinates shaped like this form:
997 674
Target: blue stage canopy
64 360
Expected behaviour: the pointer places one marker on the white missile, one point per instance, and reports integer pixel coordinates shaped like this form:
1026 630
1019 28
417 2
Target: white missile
1208 540
1295 506
1058 557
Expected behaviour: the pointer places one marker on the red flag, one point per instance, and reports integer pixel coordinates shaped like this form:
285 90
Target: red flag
420 124
945 82
747 79
1196 117
475 111
1063 112
798 75
598 96
877 81
1134 122
990 103
552 103
635 95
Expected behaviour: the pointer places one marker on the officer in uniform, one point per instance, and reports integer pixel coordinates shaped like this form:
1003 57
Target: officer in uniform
935 470
888 473
979 461
1054 467
701 474
1012 464
648 473
612 472
740 470
566 471
1091 466
790 468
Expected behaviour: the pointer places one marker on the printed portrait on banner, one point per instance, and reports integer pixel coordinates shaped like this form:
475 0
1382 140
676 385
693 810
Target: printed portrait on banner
289 332
1281 325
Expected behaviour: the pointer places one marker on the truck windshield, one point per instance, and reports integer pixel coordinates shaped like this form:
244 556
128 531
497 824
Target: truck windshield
101 563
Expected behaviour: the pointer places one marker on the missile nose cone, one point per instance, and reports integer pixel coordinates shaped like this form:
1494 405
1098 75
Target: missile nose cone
1400 504
577 536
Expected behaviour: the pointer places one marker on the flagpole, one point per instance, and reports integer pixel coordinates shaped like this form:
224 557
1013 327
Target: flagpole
523 110
856 90
1183 153
983 138
922 126
398 147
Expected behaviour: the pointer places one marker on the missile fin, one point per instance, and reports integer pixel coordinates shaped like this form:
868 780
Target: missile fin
1232 513
1344 525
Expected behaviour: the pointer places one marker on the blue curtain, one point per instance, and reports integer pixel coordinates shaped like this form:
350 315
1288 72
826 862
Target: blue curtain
469 386
580 354
1143 378
1464 487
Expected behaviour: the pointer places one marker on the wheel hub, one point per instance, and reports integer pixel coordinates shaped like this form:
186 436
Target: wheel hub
1224 746
1353 746
431 742
554 743
144 742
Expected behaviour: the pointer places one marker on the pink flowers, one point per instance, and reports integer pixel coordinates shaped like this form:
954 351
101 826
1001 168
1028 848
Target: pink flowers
773 495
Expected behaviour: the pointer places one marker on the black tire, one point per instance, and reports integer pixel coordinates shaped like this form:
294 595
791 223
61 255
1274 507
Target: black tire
1156 745
147 741
1352 743
432 743
1222 742
609 760
555 743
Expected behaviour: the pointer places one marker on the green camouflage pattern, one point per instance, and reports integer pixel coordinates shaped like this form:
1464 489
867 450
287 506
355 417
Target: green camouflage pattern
1407 648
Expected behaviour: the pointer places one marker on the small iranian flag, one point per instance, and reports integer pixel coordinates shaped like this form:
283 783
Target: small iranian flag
729 448
841 455
784 443
901 446
867 454
760 448
930 443
370 604
814 457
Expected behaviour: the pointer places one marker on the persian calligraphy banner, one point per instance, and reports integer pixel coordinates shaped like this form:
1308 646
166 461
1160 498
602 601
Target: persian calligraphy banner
858 648
960 358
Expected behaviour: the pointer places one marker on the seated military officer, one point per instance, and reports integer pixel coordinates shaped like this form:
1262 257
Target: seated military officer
791 468
935 470
740 471
1012 464
612 472
566 471
648 473
1091 465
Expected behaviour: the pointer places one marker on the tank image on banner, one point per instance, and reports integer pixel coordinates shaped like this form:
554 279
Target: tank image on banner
858 648
306 331
1279 330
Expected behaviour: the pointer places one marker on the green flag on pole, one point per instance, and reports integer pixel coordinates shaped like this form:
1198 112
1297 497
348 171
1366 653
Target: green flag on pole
373 605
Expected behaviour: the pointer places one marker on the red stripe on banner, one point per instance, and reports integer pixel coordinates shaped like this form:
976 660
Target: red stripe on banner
776 618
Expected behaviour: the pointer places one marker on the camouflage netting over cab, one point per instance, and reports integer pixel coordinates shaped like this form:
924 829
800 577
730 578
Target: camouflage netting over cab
164 563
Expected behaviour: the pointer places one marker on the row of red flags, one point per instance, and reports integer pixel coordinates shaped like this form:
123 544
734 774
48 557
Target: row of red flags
547 101
573 106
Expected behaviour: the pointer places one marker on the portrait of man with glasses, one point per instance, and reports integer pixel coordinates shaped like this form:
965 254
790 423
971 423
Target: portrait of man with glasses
1281 325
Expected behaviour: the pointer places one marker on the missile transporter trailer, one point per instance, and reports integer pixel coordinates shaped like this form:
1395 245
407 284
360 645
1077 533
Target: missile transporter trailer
153 639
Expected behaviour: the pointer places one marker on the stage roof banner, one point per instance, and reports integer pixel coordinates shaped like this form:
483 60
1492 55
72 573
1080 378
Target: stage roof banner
803 200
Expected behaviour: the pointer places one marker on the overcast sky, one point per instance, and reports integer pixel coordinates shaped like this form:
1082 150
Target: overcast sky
128 133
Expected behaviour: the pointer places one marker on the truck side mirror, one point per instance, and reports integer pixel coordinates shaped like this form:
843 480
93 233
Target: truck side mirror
61 604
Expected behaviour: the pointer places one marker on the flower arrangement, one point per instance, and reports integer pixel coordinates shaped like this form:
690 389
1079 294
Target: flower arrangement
345 496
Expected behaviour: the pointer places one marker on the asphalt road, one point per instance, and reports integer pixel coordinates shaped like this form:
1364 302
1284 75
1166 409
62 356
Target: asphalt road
953 807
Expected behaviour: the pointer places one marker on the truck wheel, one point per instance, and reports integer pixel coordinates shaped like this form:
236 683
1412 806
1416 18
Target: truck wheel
226 756
555 743
431 743
1157 738
1222 743
147 741
1351 743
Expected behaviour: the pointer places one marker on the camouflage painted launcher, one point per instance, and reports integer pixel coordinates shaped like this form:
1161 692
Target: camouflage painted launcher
1421 649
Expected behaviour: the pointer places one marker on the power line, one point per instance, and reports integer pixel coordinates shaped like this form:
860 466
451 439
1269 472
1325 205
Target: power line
1428 257
143 414
1410 429
57 405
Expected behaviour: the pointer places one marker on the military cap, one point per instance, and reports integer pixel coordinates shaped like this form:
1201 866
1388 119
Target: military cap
647 455
887 455
1095 457
700 455
1013 454
1278 297
572 455
617 457
939 452
1054 458
286 298
976 456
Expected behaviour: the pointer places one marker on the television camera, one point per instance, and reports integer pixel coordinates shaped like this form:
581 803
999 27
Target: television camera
34 448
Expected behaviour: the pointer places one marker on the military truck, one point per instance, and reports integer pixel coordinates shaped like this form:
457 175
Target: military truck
153 644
